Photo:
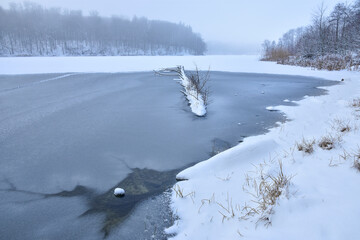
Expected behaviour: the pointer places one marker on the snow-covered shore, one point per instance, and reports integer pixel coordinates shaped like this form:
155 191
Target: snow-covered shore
223 197
230 63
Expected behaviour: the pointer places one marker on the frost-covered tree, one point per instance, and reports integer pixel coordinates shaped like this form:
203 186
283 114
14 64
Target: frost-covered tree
332 41
30 29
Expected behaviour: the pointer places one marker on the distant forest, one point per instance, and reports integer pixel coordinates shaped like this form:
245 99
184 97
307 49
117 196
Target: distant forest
28 29
331 42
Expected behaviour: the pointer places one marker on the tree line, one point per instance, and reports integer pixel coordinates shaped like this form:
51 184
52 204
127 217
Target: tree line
28 29
331 42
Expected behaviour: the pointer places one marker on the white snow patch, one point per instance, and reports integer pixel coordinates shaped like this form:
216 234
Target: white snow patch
230 63
119 192
271 108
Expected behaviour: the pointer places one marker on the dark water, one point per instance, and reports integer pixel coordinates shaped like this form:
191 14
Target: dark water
66 140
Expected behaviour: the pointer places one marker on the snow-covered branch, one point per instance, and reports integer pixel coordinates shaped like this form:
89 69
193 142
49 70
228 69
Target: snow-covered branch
195 87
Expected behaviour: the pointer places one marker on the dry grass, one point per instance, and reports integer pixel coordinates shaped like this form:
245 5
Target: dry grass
356 163
227 210
266 190
341 125
180 192
199 82
271 187
276 54
356 103
306 146
344 156
327 142
208 201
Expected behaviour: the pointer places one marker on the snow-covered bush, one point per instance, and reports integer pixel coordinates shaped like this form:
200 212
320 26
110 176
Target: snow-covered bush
329 42
331 62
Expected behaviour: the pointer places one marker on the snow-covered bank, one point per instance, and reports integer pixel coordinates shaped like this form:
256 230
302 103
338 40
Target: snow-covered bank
231 63
228 196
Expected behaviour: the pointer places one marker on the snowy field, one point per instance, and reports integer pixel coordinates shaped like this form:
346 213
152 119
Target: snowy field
296 182
229 63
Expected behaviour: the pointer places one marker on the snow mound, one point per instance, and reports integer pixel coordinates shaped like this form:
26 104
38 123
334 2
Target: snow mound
119 192
271 108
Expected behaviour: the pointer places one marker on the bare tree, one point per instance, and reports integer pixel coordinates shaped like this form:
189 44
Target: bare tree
320 24
331 41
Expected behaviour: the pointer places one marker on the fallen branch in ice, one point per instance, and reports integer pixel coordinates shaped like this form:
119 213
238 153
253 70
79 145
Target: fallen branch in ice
195 87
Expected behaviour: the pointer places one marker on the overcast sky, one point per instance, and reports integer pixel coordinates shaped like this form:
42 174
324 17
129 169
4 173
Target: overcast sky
240 23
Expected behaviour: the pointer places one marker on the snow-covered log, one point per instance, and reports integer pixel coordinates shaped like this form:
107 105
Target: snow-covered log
195 89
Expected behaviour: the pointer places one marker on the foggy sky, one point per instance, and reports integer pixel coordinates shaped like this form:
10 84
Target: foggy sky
241 24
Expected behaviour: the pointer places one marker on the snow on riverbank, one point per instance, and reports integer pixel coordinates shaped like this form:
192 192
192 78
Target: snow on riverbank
313 156
231 63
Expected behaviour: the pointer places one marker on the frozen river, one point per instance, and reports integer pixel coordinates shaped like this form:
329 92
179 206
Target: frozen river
66 140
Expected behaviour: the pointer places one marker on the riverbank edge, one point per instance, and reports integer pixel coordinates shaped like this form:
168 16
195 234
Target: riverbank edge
216 200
